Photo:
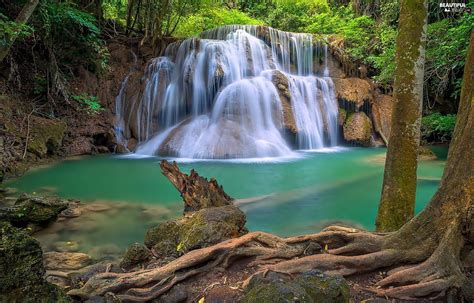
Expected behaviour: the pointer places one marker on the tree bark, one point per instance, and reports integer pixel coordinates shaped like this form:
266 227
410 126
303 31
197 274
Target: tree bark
197 192
397 203
21 19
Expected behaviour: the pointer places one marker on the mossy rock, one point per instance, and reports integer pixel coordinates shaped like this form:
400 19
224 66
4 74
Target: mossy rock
21 277
324 288
33 210
312 287
46 136
203 228
135 255
358 129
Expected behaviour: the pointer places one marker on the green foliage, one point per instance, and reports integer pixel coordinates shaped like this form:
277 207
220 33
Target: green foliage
382 56
295 15
437 128
71 34
364 39
90 103
9 30
211 17
448 40
115 10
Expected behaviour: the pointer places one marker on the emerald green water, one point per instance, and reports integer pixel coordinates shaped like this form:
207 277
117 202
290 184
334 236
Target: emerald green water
288 197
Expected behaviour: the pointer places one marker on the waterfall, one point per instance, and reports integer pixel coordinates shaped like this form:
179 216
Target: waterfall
217 96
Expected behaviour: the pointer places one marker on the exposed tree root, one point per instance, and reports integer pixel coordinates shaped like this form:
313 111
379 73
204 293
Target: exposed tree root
352 252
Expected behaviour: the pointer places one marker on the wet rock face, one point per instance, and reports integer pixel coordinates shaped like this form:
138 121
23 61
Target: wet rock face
30 210
203 228
21 274
358 129
281 83
313 286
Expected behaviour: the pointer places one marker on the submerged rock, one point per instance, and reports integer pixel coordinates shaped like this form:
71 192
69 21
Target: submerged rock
22 270
203 228
312 286
65 260
34 210
358 128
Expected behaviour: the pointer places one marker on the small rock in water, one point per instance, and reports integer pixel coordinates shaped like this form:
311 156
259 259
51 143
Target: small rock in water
33 210
98 207
73 210
65 260
105 251
66 246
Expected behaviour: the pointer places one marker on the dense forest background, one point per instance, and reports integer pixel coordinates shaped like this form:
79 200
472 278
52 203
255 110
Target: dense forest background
44 53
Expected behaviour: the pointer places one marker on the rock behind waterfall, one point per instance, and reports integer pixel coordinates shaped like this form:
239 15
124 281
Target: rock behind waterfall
312 286
203 228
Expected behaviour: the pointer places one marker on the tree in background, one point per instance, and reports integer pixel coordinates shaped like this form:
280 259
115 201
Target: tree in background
20 20
397 204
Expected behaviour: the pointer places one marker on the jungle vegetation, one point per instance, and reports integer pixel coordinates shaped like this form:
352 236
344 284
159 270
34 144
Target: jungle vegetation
72 32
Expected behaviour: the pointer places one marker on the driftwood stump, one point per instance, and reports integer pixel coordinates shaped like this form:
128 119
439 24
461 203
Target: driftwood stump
197 192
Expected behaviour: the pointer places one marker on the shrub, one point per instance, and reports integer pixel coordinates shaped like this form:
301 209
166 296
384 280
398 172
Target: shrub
437 128
90 103
211 17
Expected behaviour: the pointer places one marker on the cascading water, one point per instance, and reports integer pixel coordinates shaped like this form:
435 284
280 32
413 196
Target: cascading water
218 96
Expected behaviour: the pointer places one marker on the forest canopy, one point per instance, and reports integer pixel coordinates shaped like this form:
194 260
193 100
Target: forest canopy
73 32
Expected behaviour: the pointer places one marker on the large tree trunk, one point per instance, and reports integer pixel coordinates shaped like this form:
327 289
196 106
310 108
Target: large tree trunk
397 203
22 18
425 254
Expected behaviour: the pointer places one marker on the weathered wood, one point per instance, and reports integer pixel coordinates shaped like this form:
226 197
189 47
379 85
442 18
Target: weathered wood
197 192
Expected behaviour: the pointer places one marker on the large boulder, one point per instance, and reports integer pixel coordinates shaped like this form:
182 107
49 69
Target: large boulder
353 91
21 274
33 210
46 136
358 129
313 286
203 228
382 108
